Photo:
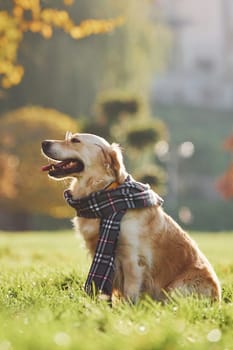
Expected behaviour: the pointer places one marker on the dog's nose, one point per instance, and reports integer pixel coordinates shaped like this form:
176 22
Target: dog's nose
45 145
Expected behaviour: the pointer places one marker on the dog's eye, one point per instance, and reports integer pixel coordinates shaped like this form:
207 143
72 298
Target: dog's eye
75 140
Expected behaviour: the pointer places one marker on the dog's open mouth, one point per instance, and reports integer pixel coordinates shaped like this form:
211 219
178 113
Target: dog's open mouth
64 168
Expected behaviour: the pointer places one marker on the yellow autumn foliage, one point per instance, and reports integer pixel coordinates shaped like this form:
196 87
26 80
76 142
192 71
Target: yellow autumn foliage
23 186
14 24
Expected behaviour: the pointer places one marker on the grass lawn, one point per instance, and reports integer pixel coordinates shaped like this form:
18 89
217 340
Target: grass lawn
43 306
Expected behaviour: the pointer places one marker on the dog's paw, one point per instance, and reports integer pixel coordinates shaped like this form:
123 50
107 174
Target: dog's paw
131 294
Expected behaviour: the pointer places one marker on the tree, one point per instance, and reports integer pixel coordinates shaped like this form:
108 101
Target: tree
126 118
22 16
24 190
225 182
68 74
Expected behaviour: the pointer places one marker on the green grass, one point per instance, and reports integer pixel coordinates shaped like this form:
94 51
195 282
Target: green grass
43 306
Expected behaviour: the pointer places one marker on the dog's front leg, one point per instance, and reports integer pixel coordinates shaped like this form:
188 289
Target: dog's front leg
133 274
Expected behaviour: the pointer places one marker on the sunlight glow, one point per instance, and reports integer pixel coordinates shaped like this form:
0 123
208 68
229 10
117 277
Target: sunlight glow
62 339
214 335
161 149
185 215
5 345
186 149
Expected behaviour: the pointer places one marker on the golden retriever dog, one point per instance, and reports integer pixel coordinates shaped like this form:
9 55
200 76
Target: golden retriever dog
154 255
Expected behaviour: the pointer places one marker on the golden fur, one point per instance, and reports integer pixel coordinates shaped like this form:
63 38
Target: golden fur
154 255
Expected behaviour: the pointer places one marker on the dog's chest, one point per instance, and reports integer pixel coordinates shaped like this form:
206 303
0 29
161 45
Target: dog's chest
130 229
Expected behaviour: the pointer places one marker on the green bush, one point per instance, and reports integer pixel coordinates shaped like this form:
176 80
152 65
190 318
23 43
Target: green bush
21 134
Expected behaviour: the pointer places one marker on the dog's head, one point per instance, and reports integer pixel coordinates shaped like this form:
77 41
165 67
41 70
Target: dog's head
83 156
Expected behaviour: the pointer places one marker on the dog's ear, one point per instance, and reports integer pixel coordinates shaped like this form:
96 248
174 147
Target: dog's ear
116 163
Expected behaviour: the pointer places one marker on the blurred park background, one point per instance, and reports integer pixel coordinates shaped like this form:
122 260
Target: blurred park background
155 76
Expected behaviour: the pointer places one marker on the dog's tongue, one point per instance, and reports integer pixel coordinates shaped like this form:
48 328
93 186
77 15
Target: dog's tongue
46 167
56 166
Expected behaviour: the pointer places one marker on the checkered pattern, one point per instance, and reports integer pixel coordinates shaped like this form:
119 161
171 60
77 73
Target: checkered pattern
110 206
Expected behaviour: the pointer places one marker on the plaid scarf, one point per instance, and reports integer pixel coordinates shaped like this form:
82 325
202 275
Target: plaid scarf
110 206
